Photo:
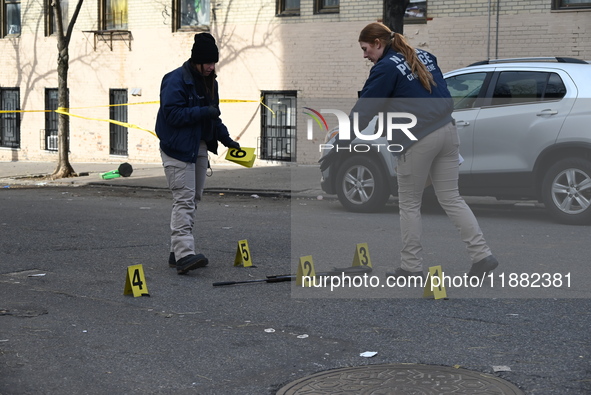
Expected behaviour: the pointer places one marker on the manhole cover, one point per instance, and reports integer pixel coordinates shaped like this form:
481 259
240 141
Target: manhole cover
403 379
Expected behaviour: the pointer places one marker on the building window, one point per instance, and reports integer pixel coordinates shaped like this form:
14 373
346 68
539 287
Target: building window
50 19
326 6
113 14
117 112
191 15
278 126
416 12
10 121
10 17
288 7
51 120
570 4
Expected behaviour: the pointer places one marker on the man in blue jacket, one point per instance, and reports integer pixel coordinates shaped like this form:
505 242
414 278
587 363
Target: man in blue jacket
188 126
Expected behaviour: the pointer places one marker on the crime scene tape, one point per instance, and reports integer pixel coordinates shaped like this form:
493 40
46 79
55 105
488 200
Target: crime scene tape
66 111
82 108
62 110
7 111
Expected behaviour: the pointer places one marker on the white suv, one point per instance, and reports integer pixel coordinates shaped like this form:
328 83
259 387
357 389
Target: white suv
525 133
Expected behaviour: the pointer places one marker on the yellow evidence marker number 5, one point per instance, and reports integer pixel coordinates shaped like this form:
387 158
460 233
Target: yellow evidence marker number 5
243 256
135 282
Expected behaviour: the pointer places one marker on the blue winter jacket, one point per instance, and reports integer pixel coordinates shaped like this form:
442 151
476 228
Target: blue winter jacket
184 114
391 87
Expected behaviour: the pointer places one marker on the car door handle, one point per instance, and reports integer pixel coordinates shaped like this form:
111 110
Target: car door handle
547 112
462 123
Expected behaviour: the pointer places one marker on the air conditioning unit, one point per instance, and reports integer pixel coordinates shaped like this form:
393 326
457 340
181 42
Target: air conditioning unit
51 143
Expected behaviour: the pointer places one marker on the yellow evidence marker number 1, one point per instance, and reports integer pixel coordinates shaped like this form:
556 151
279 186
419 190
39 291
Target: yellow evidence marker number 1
435 287
243 256
135 281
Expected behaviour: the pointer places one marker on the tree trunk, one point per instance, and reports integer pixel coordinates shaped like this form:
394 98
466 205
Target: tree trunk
394 14
64 168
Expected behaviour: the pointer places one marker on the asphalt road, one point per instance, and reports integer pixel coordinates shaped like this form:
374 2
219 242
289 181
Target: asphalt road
67 328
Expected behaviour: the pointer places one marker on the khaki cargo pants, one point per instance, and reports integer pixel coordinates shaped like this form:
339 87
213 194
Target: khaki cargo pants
435 156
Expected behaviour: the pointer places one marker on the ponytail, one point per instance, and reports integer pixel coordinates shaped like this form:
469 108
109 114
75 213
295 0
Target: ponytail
379 31
417 67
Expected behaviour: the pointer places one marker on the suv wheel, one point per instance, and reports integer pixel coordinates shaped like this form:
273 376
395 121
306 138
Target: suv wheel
566 191
361 185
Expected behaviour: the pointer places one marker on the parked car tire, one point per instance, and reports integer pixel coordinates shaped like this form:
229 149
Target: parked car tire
566 191
361 185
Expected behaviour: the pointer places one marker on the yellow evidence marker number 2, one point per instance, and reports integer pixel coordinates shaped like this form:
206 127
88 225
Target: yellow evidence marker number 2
305 268
135 281
243 256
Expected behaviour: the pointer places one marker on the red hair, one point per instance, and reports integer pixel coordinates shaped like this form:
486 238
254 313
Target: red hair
380 32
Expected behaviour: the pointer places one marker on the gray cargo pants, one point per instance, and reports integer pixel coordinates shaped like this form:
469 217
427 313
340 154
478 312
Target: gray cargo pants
186 182
436 156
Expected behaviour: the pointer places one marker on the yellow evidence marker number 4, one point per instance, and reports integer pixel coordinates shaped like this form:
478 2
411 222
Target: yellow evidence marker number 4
135 282
434 284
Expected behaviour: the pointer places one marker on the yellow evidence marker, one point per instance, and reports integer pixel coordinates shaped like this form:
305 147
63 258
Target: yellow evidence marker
243 156
243 256
305 268
435 288
135 281
362 256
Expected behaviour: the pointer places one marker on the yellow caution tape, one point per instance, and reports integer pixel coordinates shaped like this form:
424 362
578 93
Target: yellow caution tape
7 111
64 111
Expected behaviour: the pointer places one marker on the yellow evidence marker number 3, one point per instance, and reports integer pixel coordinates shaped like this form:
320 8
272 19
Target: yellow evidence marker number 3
243 256
135 281
361 257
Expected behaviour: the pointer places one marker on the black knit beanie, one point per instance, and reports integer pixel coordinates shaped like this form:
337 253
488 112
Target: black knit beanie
204 49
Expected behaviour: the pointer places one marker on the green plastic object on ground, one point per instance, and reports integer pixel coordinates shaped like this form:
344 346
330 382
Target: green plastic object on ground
124 170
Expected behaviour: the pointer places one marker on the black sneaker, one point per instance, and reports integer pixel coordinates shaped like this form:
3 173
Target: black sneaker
483 267
400 272
190 262
172 260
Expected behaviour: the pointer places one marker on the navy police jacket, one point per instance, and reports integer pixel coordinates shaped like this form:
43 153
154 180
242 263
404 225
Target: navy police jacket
183 116
391 87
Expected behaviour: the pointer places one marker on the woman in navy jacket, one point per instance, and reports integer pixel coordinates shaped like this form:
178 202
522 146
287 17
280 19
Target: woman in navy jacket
405 79
188 126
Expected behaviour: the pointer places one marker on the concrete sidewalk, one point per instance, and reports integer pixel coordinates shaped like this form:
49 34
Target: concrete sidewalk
286 180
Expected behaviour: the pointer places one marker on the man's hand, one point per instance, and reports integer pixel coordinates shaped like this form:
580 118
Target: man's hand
234 144
213 112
